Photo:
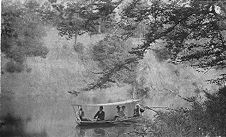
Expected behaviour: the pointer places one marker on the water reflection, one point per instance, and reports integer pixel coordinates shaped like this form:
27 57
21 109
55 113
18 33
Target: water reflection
110 131
99 132
12 126
80 132
46 117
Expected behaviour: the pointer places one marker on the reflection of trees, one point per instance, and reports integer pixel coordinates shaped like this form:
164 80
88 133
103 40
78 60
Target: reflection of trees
120 131
12 126
99 132
113 131
6 99
80 132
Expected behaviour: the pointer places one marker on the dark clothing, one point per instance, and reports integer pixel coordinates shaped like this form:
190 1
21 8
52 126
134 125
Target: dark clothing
137 112
100 115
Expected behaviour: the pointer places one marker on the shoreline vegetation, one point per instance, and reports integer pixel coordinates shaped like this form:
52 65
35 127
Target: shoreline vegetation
177 33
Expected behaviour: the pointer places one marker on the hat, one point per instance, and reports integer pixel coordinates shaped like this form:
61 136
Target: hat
118 107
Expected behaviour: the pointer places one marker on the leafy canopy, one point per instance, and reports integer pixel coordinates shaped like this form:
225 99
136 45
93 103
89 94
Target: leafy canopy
192 32
22 33
76 18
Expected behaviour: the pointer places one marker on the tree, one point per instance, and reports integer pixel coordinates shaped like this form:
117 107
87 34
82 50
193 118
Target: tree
76 18
107 53
192 32
21 33
207 119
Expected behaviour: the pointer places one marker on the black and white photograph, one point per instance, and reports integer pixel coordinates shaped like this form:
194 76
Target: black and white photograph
113 68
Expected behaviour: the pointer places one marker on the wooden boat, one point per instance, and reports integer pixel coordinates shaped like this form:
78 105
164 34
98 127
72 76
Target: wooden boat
108 122
105 123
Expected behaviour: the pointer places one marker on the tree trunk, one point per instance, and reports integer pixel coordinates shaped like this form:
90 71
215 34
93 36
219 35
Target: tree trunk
76 36
99 28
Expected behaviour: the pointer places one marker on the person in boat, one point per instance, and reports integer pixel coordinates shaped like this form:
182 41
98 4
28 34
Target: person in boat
100 114
138 111
123 111
118 113
81 115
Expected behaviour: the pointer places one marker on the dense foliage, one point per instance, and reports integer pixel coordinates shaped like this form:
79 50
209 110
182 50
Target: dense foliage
108 53
207 119
22 33
192 32
76 18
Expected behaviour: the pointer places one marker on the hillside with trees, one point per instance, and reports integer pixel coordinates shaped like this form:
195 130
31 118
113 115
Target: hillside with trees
188 32
172 40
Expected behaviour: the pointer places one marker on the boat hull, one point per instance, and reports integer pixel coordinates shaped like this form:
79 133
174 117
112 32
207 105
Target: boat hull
108 123
95 123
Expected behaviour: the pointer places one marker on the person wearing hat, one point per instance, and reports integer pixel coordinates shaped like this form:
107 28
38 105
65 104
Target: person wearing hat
118 113
138 111
100 114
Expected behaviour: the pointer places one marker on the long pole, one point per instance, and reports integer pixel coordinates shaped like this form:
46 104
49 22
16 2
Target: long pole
133 92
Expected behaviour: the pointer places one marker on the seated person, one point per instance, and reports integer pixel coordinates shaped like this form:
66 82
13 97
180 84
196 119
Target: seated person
81 115
122 113
118 113
138 111
100 114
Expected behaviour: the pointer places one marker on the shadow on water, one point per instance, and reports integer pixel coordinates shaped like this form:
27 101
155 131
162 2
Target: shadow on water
12 126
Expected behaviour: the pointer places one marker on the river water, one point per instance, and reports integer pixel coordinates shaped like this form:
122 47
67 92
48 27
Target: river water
45 116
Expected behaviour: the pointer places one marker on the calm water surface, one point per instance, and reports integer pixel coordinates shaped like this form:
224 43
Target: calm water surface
44 116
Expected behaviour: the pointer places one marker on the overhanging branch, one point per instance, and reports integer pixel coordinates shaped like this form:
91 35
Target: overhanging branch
105 78
140 51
